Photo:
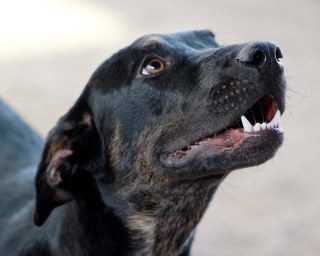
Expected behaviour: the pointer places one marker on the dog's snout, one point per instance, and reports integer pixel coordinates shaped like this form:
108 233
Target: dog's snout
257 54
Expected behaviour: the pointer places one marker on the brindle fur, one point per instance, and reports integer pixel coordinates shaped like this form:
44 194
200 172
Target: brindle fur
111 195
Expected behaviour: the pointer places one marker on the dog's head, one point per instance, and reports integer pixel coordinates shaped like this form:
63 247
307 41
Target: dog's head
168 109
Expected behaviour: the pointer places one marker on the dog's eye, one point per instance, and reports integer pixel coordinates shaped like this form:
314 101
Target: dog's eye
153 66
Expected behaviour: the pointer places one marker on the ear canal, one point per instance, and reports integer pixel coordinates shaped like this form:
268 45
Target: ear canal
49 186
70 147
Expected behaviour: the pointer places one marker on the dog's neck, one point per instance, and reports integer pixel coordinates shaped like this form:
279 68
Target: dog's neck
162 222
90 231
153 224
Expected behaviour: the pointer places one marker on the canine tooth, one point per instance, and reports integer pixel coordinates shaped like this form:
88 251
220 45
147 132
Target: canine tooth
276 118
257 127
263 126
272 125
246 124
268 125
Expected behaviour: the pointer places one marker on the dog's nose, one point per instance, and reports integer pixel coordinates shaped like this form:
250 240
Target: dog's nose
257 54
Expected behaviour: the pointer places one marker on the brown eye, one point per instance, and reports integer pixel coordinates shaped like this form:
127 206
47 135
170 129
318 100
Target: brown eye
153 66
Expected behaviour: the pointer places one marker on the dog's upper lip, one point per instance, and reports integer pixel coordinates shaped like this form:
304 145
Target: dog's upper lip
182 153
200 134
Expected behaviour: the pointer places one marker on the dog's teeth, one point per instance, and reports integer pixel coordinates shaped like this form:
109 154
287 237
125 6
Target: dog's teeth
276 119
246 124
274 123
257 127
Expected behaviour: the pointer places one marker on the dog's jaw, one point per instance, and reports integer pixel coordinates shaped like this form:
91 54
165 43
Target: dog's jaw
200 144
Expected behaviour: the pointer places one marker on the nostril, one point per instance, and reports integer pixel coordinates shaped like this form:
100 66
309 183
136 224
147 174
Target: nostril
278 54
253 57
257 54
259 57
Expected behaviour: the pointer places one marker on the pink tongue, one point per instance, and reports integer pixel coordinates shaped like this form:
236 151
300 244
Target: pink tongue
225 139
270 107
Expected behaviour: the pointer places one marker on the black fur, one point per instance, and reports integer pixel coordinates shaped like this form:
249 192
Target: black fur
109 181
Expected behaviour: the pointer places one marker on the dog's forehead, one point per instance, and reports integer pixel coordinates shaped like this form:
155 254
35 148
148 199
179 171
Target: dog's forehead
148 40
195 39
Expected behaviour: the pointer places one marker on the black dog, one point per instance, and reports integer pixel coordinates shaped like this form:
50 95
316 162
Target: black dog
136 160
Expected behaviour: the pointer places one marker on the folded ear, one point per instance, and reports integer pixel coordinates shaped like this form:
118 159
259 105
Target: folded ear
70 148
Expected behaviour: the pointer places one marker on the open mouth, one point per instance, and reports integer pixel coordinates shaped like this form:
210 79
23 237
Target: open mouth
258 120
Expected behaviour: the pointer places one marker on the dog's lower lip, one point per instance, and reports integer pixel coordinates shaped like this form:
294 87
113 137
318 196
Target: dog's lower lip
221 141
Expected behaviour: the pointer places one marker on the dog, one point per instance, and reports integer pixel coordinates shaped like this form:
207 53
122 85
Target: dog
132 166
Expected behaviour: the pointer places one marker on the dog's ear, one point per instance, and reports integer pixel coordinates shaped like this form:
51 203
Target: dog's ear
65 161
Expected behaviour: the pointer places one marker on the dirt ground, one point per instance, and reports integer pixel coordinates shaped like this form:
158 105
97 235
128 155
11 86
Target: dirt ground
49 49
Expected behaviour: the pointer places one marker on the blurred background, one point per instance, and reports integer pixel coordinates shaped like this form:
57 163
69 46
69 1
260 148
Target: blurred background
49 49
